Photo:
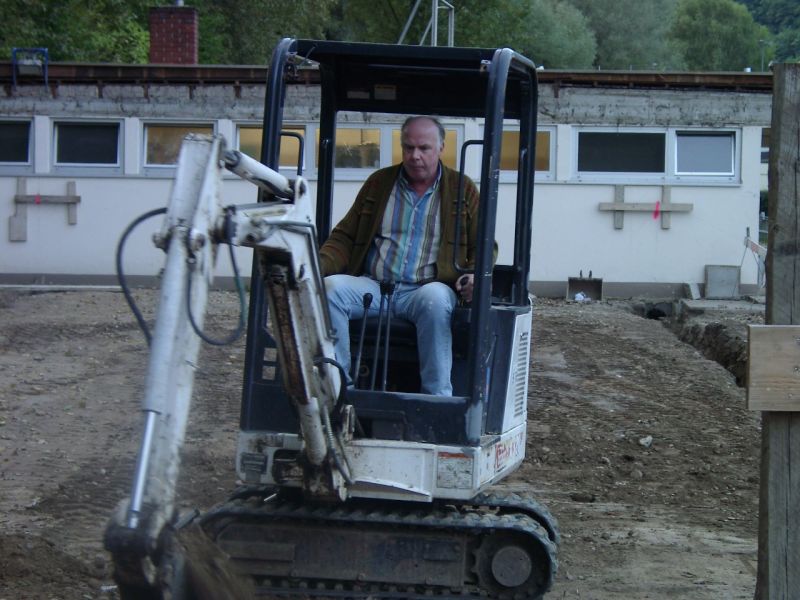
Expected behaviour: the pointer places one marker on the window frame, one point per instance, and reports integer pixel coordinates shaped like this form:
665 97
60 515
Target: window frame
290 170
386 149
510 175
29 159
766 132
670 175
87 168
361 171
621 176
168 169
729 133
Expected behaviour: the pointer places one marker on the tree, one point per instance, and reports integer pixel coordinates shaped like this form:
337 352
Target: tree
782 17
371 21
100 31
246 31
631 34
787 45
778 15
717 35
551 32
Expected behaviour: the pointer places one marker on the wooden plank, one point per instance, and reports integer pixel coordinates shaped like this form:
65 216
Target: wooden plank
666 203
779 526
72 209
773 367
47 199
619 198
18 222
644 207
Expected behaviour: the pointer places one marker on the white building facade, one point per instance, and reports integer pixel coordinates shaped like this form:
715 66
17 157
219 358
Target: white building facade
642 179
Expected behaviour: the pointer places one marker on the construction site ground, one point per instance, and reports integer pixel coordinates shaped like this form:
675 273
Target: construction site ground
642 447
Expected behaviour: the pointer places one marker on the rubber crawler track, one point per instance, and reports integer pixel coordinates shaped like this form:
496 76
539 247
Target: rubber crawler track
486 514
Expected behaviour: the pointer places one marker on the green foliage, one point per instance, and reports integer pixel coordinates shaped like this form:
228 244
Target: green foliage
246 31
787 46
100 31
717 35
551 32
631 34
371 21
777 15
782 17
569 34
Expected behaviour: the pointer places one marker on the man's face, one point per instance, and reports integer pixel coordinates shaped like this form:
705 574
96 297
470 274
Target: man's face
421 151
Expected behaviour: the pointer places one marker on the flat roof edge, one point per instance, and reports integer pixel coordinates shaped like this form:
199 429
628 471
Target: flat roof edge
151 74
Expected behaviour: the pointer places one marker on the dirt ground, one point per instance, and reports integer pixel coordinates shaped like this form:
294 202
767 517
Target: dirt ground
641 447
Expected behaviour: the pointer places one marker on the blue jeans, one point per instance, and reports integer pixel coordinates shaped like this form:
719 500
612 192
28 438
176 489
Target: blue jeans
428 306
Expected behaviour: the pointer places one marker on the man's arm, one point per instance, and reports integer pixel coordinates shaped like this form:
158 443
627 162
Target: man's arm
349 240
464 284
335 253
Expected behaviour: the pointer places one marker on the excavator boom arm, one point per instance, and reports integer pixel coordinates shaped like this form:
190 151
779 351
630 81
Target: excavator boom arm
284 238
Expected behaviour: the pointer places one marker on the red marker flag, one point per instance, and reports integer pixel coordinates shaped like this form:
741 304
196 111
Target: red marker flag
657 211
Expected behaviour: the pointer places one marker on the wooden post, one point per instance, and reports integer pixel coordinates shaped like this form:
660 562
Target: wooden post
779 501
620 207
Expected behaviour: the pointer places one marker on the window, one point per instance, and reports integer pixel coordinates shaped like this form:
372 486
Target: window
15 141
765 142
705 153
621 152
250 143
509 159
358 148
87 143
449 154
671 154
163 142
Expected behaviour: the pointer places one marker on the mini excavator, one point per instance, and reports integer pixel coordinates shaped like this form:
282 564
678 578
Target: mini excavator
349 490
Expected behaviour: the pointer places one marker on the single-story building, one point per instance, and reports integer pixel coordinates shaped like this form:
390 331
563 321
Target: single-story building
643 179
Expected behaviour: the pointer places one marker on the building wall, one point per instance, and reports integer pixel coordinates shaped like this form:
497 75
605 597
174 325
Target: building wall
570 233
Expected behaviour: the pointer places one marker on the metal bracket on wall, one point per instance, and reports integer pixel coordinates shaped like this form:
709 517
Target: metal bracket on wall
18 222
663 209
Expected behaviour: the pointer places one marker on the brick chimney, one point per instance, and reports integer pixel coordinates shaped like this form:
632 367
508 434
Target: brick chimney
173 35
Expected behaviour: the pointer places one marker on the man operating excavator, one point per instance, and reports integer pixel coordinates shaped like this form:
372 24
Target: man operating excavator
401 229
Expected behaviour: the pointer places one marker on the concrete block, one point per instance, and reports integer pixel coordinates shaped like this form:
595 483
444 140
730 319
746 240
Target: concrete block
722 281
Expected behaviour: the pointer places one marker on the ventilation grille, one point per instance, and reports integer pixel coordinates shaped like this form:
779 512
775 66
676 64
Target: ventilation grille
521 374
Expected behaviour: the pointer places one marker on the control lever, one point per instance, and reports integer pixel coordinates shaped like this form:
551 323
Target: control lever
367 301
378 336
387 288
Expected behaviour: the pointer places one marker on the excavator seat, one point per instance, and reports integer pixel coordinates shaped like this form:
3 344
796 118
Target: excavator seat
403 360
403 357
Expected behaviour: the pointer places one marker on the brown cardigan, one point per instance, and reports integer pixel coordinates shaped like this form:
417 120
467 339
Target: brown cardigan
346 249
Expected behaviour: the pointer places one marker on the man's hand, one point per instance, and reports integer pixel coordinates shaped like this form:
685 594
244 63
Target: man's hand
464 286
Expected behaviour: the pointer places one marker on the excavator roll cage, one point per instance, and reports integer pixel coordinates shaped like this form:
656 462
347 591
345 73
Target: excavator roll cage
491 86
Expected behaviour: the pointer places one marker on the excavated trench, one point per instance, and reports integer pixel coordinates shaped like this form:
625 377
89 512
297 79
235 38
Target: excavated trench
718 332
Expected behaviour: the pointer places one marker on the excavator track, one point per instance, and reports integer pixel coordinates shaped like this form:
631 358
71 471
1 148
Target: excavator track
516 503
495 546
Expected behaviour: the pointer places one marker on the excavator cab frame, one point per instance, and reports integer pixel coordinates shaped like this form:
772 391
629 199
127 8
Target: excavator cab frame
492 85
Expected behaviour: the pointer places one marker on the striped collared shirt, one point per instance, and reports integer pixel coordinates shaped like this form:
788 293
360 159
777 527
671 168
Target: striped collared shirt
407 244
